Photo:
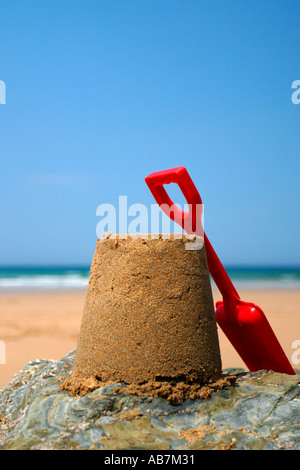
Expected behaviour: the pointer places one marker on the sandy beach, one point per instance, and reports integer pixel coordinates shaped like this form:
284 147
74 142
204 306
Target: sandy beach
46 325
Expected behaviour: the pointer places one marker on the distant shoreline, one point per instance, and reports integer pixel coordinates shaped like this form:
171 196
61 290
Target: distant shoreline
67 278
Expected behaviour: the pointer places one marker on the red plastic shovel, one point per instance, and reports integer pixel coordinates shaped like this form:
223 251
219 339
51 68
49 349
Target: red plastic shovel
244 323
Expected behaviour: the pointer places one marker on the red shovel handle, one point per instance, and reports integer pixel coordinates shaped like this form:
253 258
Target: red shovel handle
179 175
188 220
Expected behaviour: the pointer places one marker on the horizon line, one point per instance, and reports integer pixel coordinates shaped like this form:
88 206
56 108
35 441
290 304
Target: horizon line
87 266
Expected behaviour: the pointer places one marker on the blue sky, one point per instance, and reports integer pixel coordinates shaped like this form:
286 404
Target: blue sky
101 93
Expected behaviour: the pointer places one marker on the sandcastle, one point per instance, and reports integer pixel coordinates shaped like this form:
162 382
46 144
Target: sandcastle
148 319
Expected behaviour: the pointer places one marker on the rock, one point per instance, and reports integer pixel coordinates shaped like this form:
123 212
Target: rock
261 411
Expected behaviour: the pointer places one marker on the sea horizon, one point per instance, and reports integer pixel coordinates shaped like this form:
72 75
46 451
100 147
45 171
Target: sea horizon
67 277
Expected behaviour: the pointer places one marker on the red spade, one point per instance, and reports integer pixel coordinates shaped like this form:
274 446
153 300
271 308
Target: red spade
244 323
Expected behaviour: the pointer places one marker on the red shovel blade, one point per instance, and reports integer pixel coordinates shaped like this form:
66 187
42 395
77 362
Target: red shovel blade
251 335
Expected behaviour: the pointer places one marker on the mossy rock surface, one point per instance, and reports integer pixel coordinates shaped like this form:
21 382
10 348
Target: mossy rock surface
261 411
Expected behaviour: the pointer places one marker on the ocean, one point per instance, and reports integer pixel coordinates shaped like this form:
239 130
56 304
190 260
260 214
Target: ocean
73 278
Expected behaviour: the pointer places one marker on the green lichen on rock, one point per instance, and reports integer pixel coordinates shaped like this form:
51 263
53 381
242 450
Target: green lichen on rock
261 411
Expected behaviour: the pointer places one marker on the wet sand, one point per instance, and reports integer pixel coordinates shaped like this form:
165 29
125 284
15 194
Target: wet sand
46 325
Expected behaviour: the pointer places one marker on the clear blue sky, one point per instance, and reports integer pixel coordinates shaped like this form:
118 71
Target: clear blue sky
102 93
